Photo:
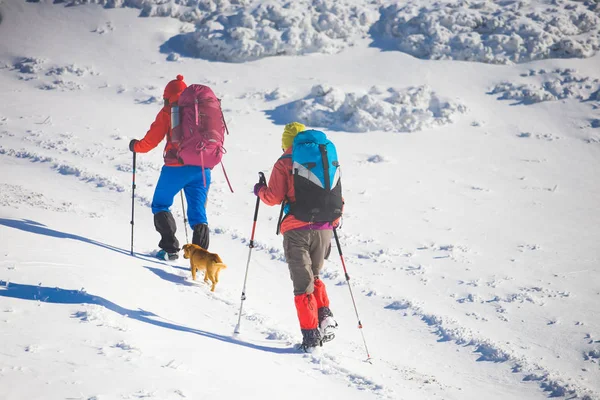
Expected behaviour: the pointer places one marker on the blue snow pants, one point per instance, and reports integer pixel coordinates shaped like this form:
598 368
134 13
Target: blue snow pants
186 177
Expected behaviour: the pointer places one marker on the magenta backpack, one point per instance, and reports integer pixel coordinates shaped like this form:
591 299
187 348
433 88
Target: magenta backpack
198 127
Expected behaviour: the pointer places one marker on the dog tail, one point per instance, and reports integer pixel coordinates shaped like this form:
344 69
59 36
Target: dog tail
220 265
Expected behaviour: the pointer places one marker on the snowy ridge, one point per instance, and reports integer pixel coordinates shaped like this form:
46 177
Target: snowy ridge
490 32
239 31
284 28
497 32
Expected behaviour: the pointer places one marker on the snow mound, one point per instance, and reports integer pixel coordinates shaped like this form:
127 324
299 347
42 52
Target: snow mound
279 28
245 30
265 95
406 110
555 85
62 85
497 32
71 69
29 65
106 28
34 65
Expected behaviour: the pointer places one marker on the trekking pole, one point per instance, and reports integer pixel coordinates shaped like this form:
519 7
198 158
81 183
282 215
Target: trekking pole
187 239
264 181
337 241
132 201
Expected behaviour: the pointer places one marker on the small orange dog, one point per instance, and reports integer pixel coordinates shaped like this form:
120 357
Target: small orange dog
203 260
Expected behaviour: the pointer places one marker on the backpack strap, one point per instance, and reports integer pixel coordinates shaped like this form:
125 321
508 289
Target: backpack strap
280 220
283 157
226 177
284 203
224 122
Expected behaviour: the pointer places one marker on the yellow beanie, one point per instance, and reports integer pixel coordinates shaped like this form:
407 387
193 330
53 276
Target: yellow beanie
289 133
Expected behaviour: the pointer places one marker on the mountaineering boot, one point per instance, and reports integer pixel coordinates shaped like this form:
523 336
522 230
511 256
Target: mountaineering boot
201 236
163 255
165 225
327 324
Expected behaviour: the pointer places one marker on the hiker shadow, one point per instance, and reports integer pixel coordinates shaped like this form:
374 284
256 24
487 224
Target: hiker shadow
30 226
56 295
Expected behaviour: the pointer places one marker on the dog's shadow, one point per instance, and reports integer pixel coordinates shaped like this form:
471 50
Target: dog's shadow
177 279
55 295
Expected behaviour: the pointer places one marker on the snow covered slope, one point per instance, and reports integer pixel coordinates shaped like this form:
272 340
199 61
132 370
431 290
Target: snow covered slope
471 188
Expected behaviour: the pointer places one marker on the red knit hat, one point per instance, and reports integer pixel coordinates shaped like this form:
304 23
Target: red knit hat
174 89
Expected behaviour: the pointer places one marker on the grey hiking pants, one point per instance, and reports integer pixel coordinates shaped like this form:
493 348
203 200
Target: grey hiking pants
305 251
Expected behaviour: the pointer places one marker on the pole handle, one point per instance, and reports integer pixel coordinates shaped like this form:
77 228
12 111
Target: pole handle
261 179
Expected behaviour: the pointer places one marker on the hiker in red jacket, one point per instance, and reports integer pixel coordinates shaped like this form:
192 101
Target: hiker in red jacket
305 246
194 180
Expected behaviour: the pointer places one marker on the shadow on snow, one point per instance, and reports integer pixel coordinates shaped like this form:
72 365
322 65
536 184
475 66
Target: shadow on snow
65 296
40 229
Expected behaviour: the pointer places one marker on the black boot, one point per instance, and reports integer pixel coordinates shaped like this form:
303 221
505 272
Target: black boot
310 338
201 236
165 225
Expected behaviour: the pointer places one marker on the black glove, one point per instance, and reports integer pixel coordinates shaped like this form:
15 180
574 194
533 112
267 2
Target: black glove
257 187
132 143
262 182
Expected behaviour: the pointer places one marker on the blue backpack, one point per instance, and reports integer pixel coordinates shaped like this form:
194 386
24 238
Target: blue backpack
317 183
